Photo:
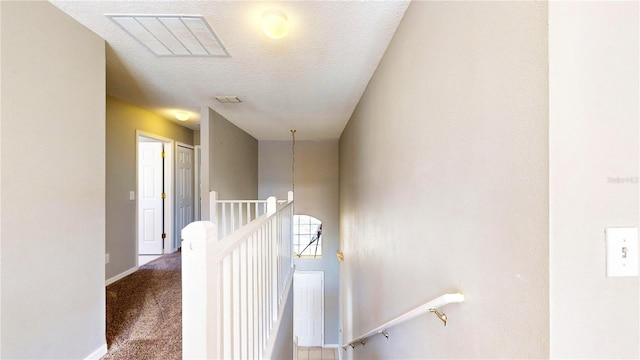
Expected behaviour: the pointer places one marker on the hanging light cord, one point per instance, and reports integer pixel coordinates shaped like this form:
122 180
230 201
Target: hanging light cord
293 161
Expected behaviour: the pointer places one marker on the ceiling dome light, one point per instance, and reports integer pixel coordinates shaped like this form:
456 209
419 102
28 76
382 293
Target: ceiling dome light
275 24
182 116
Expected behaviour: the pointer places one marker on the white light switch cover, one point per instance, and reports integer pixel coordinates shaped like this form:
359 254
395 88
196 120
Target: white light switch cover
622 251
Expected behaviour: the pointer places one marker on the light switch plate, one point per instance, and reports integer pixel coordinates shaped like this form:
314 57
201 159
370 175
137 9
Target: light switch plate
622 251
132 195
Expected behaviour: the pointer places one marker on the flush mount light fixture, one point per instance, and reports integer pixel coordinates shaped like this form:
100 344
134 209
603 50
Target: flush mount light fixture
182 116
275 23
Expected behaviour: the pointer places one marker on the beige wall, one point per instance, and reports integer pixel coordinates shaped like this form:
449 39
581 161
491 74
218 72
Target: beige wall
1 98
123 119
53 184
229 160
316 194
444 186
593 78
196 137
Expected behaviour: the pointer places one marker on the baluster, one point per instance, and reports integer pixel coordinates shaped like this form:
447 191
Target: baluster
278 260
223 221
244 322
236 326
251 296
232 227
227 308
274 270
269 259
266 311
260 291
213 207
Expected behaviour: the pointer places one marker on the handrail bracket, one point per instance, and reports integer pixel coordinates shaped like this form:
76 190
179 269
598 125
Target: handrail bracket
440 316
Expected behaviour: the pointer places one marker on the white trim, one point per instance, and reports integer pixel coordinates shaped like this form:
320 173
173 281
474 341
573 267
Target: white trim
121 275
169 190
184 145
177 236
331 346
196 186
98 353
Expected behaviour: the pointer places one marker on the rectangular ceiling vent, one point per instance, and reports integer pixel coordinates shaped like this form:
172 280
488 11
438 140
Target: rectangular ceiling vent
228 99
173 35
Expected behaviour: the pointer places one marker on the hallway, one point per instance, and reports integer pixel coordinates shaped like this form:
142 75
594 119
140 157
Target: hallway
144 312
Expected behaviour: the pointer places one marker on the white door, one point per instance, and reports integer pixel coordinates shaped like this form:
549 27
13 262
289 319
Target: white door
184 190
308 307
150 205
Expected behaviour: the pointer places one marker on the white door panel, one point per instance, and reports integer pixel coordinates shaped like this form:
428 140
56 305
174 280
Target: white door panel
184 190
150 198
308 307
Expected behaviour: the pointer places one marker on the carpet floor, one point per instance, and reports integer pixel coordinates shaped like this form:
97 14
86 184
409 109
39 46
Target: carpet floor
144 312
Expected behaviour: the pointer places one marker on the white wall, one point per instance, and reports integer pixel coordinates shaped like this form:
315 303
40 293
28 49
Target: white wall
593 100
53 184
444 186
316 194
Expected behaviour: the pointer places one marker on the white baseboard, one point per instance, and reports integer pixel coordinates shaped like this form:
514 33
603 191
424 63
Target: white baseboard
100 352
121 275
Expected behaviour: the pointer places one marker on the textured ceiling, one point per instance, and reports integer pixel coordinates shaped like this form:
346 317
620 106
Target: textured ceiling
309 81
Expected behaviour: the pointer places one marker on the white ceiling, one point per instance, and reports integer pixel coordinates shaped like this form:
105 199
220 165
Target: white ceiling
310 81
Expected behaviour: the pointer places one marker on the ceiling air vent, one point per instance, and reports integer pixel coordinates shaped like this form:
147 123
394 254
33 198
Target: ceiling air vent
228 99
173 35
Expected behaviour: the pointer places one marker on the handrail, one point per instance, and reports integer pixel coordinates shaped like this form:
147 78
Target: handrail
231 215
429 306
231 242
280 201
235 289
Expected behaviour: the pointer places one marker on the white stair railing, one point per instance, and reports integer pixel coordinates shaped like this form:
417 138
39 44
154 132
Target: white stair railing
235 289
231 215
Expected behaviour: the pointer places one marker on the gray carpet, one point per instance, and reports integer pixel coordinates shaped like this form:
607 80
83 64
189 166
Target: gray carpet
144 312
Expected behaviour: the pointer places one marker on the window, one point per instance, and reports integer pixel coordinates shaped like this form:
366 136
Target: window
307 237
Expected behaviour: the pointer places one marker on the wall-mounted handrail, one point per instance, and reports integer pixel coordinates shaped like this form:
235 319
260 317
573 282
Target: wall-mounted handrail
429 306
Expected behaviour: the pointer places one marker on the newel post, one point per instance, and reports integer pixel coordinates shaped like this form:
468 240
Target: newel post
199 283
271 204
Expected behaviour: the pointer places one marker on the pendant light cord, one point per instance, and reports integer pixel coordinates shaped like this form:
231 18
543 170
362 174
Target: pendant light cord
293 161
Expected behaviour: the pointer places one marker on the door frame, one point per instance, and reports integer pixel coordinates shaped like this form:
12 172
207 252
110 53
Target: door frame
321 272
197 213
168 189
178 242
